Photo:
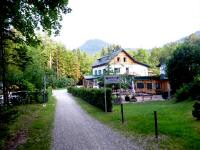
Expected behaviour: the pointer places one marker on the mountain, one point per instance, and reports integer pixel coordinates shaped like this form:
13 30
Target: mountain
197 33
93 46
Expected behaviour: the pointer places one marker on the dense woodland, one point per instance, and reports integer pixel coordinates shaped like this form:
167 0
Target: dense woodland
50 63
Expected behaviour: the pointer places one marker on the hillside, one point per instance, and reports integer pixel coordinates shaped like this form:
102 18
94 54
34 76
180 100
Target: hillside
93 46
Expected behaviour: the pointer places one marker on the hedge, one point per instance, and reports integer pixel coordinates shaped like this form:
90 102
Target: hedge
93 96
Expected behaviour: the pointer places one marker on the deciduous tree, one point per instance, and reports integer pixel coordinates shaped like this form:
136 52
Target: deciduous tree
25 16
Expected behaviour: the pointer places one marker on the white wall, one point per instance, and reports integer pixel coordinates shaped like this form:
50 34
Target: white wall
140 70
135 69
98 68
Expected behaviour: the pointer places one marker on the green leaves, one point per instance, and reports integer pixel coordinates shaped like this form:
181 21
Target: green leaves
184 65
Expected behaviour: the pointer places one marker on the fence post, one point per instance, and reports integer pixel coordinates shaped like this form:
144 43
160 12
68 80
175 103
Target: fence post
105 101
122 113
156 124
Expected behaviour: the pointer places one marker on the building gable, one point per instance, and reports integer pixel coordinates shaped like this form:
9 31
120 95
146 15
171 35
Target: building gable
122 58
113 59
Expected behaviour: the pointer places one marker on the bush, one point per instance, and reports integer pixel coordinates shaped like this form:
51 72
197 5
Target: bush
65 82
190 90
93 96
183 93
196 111
40 96
194 90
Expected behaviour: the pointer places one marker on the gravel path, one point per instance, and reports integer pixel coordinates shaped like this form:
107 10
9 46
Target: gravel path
74 129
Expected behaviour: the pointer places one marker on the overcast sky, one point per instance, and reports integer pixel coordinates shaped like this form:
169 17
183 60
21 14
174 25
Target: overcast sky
130 23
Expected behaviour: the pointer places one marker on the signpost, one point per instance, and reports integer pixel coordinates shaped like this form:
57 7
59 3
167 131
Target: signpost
111 79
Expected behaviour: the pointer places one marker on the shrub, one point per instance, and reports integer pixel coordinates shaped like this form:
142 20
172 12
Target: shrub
190 90
64 82
194 89
196 111
93 96
183 93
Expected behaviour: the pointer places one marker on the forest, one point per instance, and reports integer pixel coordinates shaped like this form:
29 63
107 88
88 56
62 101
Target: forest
51 64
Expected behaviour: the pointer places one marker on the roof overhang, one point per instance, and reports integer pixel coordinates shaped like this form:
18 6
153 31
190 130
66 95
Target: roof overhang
95 66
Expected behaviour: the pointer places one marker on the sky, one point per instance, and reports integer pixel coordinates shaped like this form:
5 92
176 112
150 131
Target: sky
129 23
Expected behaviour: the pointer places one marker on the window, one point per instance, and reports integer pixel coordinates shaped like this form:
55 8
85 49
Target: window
158 86
140 85
127 70
149 85
124 59
104 71
117 70
99 72
118 59
95 72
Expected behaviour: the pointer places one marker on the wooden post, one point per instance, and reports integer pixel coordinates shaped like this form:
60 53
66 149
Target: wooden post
168 90
105 95
156 124
122 113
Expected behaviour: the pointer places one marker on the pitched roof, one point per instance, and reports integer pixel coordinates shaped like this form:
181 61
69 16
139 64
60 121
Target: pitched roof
107 58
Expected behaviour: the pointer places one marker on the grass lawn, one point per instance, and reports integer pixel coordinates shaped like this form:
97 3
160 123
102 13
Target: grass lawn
32 128
177 128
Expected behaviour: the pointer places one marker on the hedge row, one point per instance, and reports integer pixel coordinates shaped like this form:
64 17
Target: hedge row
93 96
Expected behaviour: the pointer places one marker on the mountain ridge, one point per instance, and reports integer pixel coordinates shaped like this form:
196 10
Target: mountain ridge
94 46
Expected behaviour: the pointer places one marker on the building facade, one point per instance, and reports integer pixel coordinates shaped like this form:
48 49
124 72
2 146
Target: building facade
119 62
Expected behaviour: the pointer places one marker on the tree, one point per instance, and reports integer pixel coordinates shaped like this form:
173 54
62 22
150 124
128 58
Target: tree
167 51
154 59
142 55
109 49
184 66
85 61
25 16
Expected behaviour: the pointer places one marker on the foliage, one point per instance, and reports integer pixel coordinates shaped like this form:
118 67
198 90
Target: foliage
94 96
37 122
184 65
167 52
196 111
64 82
142 56
109 49
183 93
26 16
154 60
19 20
50 61
155 56
85 60
7 117
189 91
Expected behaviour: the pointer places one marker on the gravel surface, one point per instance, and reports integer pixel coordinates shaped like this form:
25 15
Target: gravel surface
74 129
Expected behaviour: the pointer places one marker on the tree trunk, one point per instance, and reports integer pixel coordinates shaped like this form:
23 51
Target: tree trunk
3 73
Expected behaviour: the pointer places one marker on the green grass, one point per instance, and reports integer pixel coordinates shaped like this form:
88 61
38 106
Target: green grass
177 128
37 122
